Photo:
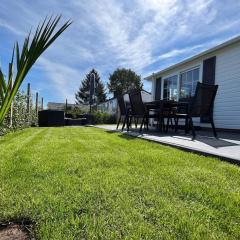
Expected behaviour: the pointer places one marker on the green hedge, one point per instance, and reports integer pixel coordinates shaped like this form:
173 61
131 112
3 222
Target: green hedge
103 118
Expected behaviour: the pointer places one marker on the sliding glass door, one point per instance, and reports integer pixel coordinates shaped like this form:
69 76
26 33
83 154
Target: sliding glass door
170 88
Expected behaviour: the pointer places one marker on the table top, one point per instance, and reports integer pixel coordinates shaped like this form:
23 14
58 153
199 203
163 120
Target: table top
165 104
162 104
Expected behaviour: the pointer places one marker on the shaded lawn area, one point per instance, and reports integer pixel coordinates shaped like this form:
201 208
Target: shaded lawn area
77 182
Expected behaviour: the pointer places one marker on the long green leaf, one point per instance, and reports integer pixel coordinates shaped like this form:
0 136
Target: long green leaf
3 81
41 40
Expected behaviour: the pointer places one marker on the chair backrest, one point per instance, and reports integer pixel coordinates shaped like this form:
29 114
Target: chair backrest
137 105
122 105
203 100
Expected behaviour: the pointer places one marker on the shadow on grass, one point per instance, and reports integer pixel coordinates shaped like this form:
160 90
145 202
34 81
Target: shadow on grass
124 135
206 139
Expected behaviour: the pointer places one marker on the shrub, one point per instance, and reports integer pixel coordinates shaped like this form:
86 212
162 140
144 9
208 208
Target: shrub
75 112
103 118
20 117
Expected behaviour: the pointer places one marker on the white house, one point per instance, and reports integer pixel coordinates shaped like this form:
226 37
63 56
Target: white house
219 65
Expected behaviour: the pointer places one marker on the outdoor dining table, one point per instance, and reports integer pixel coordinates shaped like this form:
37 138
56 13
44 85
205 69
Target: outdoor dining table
166 109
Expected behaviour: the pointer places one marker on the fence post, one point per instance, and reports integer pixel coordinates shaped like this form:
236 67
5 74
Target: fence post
42 104
11 110
66 105
28 98
36 102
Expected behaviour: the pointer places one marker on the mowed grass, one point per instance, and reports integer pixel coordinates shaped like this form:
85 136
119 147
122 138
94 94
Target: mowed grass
85 183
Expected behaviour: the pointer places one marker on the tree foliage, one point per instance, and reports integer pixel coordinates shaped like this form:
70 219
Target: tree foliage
83 94
123 80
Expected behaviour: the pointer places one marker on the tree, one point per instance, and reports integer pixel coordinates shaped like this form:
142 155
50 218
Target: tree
123 80
83 94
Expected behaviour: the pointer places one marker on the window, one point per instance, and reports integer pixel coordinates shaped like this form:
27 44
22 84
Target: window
188 83
170 88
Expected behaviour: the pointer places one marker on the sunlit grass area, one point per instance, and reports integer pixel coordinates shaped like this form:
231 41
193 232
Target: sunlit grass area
86 183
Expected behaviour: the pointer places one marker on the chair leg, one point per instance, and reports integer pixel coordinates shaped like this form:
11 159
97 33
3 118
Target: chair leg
164 125
130 122
213 128
124 122
186 125
147 120
168 120
143 120
193 130
176 124
119 122
136 122
161 124
172 123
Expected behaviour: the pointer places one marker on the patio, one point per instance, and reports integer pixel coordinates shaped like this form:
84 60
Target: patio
226 147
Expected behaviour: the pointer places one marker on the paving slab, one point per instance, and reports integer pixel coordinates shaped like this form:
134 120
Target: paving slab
226 146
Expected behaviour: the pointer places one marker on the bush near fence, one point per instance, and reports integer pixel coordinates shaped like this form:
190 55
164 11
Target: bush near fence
103 118
21 118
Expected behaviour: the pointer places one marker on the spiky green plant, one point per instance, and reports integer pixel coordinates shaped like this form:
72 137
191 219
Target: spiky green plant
44 36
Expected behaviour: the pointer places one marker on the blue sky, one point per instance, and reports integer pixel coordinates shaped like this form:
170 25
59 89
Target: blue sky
144 35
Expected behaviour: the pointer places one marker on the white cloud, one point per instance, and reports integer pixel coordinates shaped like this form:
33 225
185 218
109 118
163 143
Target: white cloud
10 28
63 77
135 34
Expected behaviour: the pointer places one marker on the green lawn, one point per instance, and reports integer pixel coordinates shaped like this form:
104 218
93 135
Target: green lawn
85 183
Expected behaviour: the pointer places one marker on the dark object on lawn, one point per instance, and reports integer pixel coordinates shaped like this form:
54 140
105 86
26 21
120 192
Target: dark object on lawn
201 106
81 119
139 110
69 115
89 118
51 118
75 121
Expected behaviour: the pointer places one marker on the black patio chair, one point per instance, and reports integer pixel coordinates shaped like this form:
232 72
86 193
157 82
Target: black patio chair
123 112
201 105
139 110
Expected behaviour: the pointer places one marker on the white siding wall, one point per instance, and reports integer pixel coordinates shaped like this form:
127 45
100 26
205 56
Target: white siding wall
227 102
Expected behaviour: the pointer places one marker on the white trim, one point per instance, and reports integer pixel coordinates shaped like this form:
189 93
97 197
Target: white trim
190 69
